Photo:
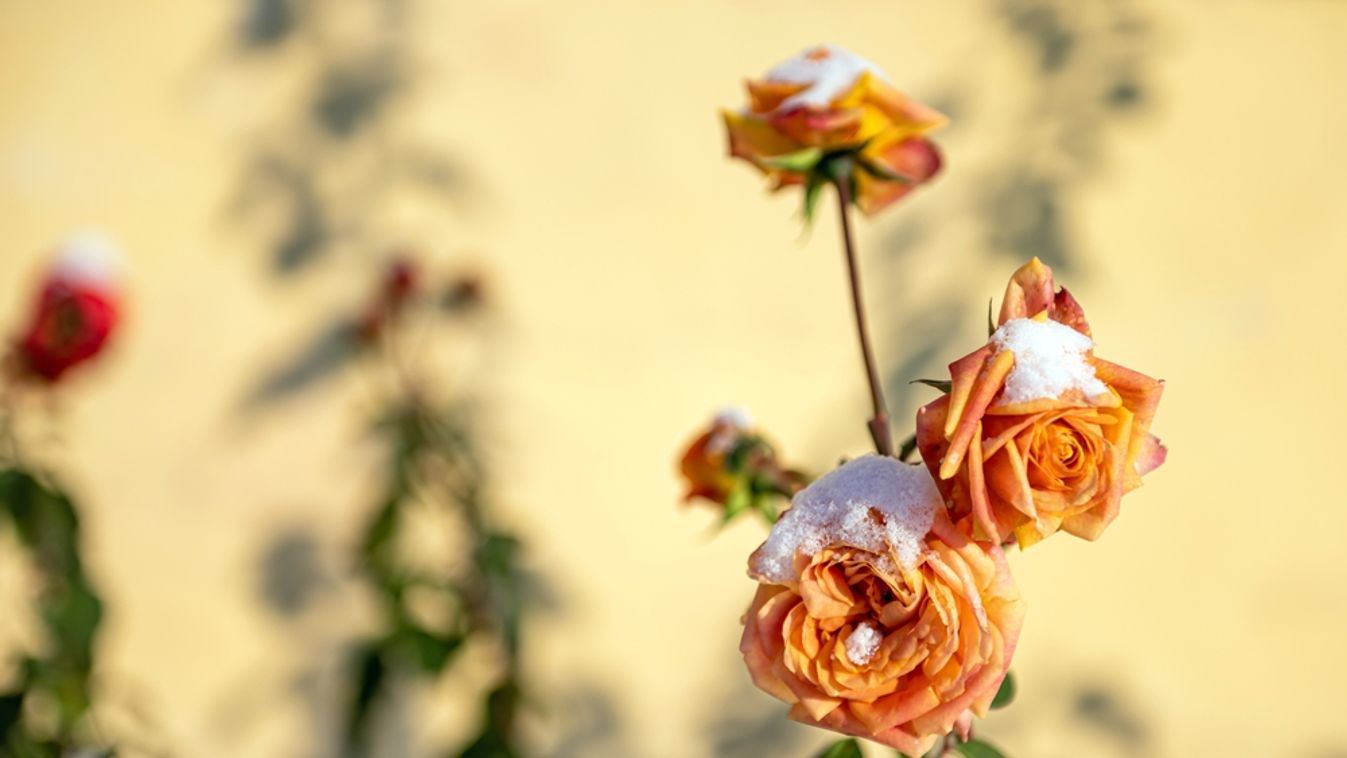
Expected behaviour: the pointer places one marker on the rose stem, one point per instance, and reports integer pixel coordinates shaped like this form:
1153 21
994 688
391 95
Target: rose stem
879 422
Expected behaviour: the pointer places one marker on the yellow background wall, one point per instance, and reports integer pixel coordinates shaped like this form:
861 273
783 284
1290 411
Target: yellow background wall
640 281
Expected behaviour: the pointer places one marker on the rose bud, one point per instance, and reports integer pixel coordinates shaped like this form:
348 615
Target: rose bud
1038 434
733 466
875 616
401 279
827 110
76 309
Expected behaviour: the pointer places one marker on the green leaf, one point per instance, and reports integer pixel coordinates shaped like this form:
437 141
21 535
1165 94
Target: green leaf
1006 694
430 652
812 189
847 748
977 749
799 162
991 322
943 385
11 707
766 507
369 680
908 448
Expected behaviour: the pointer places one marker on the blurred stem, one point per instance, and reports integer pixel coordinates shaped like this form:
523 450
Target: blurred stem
879 421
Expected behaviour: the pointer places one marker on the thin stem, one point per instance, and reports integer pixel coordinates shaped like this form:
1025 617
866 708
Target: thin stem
879 422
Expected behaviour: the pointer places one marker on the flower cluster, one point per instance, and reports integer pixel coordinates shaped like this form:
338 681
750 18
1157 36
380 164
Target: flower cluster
885 608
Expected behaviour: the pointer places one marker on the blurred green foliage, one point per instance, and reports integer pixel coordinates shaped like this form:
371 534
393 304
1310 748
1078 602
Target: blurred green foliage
45 712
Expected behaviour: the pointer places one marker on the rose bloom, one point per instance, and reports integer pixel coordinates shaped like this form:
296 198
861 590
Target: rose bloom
729 456
875 616
76 310
1037 433
830 99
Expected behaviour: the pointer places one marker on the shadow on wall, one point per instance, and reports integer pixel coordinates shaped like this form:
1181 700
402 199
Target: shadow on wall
1084 67
335 157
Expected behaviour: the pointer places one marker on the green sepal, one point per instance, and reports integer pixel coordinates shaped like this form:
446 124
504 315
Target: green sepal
813 188
944 385
798 162
847 748
977 749
883 173
1006 694
739 500
909 447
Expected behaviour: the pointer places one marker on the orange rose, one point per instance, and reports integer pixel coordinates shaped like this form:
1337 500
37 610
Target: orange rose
826 103
732 466
875 616
1037 434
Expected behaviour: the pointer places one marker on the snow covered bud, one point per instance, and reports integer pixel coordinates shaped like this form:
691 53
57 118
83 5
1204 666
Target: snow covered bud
733 466
876 617
1038 434
401 278
827 113
76 309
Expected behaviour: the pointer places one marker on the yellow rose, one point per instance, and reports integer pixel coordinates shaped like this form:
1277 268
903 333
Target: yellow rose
828 102
875 616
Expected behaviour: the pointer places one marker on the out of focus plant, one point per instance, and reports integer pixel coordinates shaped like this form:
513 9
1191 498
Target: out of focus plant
429 617
46 696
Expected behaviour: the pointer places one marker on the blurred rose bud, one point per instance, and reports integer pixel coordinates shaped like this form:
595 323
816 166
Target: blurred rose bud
401 279
734 467
828 111
464 293
877 617
76 309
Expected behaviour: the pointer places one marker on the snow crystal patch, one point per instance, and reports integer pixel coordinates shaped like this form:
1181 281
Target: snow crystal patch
873 503
733 416
827 70
87 258
863 643
1049 361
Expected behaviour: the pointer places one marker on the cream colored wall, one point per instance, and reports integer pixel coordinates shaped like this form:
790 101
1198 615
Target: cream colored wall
642 281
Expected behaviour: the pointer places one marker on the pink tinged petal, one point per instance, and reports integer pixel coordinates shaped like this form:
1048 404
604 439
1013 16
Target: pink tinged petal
1150 457
761 641
842 721
1065 310
963 373
916 158
897 709
985 387
1029 292
983 515
1140 394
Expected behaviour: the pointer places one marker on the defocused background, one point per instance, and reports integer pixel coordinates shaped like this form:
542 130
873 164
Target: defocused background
1179 164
